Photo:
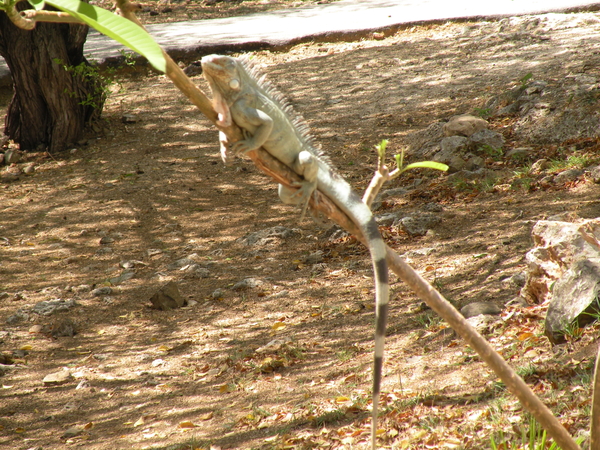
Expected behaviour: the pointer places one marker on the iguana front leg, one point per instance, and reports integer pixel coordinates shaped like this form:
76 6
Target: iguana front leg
255 124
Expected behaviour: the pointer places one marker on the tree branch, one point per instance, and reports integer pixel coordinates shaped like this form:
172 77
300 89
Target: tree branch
49 16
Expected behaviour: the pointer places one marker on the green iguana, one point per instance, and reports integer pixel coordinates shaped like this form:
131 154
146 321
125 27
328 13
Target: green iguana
242 97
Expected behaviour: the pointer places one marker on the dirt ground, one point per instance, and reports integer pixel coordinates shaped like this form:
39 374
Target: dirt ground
283 361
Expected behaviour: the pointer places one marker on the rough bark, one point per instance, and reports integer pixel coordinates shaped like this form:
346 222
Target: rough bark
46 111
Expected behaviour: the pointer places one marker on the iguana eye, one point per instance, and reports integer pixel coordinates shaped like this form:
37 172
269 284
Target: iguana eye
234 84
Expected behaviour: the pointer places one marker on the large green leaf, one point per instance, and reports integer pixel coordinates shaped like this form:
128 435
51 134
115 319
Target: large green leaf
113 26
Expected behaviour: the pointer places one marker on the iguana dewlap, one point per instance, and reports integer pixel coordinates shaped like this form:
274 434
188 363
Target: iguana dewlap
240 97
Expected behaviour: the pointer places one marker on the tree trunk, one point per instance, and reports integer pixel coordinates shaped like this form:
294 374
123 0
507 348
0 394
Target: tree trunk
51 104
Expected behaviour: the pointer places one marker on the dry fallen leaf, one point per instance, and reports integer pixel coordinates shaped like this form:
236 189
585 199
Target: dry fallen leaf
206 416
278 326
187 424
139 422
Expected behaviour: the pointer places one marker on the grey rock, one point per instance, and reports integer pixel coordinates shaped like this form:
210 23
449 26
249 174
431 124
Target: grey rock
128 118
106 240
64 327
132 264
488 138
425 143
104 290
478 308
126 275
4 295
82 288
396 192
181 263
433 207
475 163
574 299
467 175
456 163
594 173
464 125
314 258
568 175
517 301
246 283
557 245
515 281
270 235
19 316
29 169
168 297
196 271
419 223
519 153
484 323
388 219
57 378
454 144
218 293
46 308
539 166
12 156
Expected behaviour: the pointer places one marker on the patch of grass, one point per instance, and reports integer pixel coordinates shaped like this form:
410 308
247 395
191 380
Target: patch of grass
526 371
346 354
428 320
495 153
484 113
330 417
533 438
572 162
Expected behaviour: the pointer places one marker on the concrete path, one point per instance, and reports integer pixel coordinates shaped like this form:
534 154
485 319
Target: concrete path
346 18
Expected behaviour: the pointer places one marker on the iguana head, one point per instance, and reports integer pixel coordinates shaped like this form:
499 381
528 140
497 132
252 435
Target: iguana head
224 77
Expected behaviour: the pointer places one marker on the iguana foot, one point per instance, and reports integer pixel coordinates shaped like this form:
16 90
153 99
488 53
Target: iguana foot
301 196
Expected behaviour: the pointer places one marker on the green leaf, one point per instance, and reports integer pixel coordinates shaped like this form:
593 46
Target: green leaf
37 4
113 26
427 165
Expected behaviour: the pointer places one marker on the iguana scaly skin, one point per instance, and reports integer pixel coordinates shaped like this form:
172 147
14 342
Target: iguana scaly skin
241 97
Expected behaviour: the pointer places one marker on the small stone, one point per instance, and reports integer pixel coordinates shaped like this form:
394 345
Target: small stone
515 281
106 240
595 174
168 297
378 36
126 275
65 327
464 125
72 432
35 329
396 192
247 283
12 156
518 153
128 118
104 290
29 169
539 166
568 176
218 293
487 138
478 308
57 378
314 258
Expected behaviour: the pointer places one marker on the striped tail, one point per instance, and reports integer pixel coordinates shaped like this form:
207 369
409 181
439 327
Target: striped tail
380 268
